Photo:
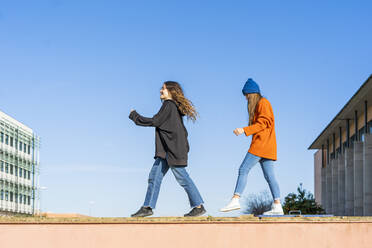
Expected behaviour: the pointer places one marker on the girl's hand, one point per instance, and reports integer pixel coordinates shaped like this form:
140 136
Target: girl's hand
238 131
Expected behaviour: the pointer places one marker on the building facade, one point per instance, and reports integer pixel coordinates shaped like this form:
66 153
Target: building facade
343 160
19 167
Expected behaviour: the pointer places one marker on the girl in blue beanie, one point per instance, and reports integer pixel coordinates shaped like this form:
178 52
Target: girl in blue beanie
262 149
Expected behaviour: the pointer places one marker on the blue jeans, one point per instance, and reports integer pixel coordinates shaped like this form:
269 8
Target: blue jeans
158 171
267 166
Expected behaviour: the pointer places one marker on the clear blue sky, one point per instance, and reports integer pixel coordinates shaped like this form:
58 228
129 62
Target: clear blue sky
72 70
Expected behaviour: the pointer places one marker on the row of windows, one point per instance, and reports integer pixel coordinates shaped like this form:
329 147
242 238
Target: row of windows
17 198
14 158
361 135
15 170
8 140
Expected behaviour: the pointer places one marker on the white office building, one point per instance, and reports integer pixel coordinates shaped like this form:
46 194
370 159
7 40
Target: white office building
19 167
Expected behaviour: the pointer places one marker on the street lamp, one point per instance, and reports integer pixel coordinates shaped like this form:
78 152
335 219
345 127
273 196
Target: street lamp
40 198
91 203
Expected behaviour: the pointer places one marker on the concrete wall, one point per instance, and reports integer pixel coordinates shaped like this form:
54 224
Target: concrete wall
329 188
341 185
358 178
170 235
367 175
324 188
318 176
335 203
349 182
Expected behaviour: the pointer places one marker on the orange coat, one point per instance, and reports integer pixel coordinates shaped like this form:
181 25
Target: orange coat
263 129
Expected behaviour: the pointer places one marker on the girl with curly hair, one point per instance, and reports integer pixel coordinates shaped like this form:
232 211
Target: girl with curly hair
171 148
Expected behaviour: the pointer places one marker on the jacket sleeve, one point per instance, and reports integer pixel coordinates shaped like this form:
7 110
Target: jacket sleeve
156 121
265 119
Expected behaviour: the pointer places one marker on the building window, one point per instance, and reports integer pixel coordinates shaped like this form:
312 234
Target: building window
11 169
20 172
2 166
28 175
6 167
6 139
24 146
29 149
24 199
361 134
344 146
20 198
6 195
20 145
16 144
16 198
352 139
2 137
28 200
11 196
11 141
2 195
370 126
332 155
16 171
338 151
24 173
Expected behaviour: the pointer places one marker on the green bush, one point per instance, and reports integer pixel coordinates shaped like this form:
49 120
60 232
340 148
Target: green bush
303 201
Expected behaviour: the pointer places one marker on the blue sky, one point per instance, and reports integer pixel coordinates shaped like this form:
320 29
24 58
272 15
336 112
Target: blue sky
72 70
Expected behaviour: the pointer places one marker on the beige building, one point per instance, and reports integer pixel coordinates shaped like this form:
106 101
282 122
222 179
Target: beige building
343 160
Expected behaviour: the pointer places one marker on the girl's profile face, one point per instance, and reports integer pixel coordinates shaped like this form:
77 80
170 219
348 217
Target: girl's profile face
164 93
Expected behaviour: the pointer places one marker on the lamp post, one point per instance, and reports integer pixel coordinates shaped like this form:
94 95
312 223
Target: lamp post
40 198
91 203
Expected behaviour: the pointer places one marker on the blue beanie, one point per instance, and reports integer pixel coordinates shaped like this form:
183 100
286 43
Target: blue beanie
251 87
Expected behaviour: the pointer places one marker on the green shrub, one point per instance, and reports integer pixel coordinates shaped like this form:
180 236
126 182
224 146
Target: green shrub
303 201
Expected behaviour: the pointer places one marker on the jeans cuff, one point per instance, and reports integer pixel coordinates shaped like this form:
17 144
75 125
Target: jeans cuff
201 203
148 206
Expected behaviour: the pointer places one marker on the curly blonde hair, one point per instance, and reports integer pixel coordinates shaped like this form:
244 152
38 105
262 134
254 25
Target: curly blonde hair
185 106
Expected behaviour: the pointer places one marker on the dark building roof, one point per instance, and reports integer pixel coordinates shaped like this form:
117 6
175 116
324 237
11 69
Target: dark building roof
356 103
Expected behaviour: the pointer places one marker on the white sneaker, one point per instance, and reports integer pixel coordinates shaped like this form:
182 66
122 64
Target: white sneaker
233 205
276 209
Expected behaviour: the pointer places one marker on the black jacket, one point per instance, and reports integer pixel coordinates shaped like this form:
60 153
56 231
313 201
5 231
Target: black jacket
170 133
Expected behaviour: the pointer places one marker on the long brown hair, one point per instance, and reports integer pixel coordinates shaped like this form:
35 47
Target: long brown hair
184 105
253 100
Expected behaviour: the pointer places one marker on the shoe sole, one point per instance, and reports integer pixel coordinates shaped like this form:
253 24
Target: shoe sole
141 216
230 209
196 215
